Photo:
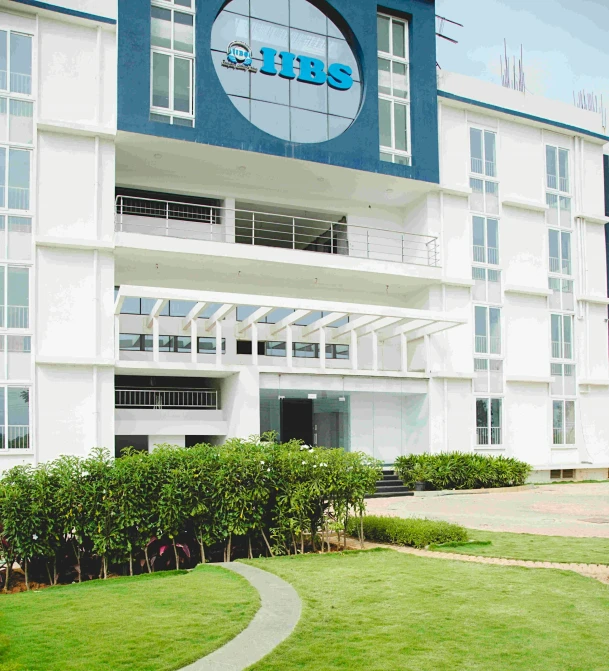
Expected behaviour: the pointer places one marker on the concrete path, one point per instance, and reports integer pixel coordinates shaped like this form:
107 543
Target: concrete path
597 571
551 510
278 615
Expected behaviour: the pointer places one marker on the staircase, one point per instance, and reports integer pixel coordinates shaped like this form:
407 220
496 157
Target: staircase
390 485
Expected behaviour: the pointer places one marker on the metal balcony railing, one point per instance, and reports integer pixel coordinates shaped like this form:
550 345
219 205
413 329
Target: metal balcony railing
217 224
163 399
17 438
482 435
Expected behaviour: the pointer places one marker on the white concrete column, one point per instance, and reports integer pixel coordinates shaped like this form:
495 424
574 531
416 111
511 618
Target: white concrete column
375 350
254 328
194 341
219 343
322 348
404 352
288 346
353 350
228 220
117 339
427 354
155 338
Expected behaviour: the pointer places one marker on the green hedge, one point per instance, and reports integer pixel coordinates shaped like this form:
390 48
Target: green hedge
459 470
77 517
414 532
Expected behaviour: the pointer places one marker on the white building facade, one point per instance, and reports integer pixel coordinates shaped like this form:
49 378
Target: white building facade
222 219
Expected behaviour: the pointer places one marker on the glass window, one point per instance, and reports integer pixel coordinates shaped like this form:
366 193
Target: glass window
182 344
489 421
563 422
557 169
18 415
275 348
160 80
208 345
130 342
160 27
476 151
306 350
19 179
481 315
183 32
181 85
131 306
18 297
19 238
3 60
21 63
166 343
180 308
562 336
393 81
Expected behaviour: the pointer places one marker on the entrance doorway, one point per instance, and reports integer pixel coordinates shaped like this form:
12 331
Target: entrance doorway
297 420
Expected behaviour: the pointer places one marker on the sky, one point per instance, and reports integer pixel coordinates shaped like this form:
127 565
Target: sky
565 43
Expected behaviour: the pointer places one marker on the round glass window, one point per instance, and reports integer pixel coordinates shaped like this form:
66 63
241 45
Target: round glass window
287 68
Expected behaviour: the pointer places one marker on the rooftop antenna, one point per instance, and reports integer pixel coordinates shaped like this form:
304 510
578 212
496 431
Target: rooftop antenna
512 74
590 102
440 25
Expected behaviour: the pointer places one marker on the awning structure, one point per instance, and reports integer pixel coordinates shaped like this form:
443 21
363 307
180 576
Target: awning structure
382 323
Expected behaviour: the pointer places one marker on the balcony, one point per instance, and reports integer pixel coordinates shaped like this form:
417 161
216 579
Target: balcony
272 229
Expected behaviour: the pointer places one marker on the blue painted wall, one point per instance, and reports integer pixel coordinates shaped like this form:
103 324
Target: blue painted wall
219 123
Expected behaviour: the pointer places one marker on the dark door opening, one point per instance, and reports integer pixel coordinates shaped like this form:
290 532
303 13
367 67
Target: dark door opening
297 420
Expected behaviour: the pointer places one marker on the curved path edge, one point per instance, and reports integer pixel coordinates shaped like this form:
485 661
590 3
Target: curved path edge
597 571
279 612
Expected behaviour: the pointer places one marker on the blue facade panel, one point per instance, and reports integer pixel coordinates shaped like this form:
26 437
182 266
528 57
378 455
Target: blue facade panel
219 123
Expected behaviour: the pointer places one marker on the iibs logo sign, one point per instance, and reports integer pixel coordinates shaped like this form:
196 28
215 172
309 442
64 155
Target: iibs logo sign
239 57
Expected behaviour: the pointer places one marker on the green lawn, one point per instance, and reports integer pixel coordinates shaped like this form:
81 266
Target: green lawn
387 611
533 547
156 622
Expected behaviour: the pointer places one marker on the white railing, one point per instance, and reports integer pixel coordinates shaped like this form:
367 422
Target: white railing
477 166
495 435
482 435
479 254
495 345
493 256
21 83
489 168
481 344
217 224
18 198
557 352
159 399
558 437
554 264
18 437
17 316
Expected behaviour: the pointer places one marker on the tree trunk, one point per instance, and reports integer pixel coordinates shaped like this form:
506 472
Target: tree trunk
202 546
130 563
249 547
8 575
361 530
105 566
147 559
294 543
228 547
77 553
27 581
55 574
267 542
301 543
345 533
49 574
175 552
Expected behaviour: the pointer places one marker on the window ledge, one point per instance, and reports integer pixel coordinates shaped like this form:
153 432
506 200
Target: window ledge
16 452
597 382
600 300
73 361
69 128
530 291
522 204
563 448
530 379
458 190
593 218
457 282
451 375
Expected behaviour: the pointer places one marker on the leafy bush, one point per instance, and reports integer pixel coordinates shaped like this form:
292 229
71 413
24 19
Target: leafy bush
459 470
413 532
75 518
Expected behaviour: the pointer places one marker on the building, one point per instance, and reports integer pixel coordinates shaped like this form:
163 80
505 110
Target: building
225 218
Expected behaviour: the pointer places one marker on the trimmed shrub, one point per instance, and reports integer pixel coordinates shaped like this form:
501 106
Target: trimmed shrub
460 470
76 518
414 532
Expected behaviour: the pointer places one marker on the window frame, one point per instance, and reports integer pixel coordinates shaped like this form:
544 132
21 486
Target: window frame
486 211
392 151
561 344
558 192
485 133
562 260
493 434
170 112
4 449
485 257
487 336
561 434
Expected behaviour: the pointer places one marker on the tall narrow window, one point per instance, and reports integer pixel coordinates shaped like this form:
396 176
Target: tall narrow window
488 421
488 330
560 251
172 40
18 298
19 179
483 152
394 98
562 336
21 64
558 187
486 240
563 422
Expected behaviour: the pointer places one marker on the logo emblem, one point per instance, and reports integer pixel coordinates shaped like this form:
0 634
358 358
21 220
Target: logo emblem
239 57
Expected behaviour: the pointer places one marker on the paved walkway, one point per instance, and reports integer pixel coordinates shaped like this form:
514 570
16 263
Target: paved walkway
551 510
275 620
596 571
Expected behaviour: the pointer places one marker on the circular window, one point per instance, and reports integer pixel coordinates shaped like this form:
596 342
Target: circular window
287 68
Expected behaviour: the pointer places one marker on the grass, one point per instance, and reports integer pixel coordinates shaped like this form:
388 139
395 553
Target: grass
532 547
388 611
156 622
